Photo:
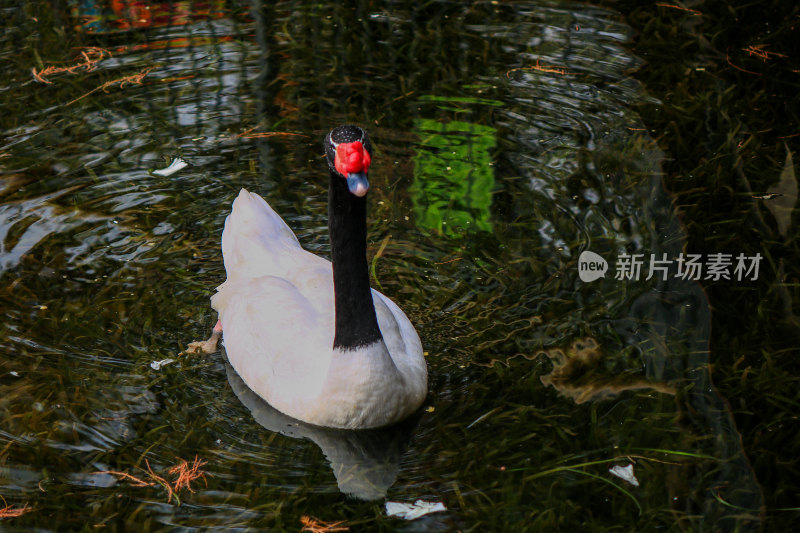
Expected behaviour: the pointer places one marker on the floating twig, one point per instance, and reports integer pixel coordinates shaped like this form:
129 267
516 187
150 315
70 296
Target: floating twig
8 511
759 51
260 135
409 93
316 526
675 6
715 493
132 79
161 481
378 254
540 68
728 59
187 474
124 475
91 56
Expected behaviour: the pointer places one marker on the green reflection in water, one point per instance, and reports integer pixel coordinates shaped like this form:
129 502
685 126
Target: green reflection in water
453 176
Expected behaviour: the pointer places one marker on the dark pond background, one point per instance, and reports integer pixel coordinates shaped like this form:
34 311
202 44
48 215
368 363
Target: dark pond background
509 138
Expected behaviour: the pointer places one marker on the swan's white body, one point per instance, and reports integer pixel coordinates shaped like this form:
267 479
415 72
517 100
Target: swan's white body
278 317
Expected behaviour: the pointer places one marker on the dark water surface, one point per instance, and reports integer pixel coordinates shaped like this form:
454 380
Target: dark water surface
508 140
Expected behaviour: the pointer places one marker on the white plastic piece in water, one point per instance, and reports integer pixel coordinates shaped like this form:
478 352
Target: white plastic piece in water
626 473
176 165
412 511
156 365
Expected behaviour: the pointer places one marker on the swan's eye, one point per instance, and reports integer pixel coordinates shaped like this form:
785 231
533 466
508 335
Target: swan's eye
351 158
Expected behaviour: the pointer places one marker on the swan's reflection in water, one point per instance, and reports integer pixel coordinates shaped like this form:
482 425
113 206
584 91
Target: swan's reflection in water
365 462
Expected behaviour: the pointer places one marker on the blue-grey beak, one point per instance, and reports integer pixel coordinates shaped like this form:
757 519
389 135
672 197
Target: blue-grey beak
357 183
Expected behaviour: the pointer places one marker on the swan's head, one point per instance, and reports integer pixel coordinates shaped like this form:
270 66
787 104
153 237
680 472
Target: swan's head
349 154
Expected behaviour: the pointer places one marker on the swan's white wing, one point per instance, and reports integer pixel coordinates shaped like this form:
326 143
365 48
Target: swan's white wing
403 344
256 241
397 330
277 339
276 307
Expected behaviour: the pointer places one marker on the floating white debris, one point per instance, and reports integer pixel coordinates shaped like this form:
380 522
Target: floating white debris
626 473
156 365
176 165
14 373
412 511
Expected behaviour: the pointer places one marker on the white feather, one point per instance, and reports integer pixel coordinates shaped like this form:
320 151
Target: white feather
277 313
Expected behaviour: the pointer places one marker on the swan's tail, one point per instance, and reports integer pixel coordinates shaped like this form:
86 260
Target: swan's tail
255 239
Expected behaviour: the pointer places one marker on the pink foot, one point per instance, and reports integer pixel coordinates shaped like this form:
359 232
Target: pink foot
207 346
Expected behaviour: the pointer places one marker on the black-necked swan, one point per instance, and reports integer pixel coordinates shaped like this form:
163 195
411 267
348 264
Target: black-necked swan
317 343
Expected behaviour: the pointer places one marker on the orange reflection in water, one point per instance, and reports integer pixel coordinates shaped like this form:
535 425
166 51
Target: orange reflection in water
123 15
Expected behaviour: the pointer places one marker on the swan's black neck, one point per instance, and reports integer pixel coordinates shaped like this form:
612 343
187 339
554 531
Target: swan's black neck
356 323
